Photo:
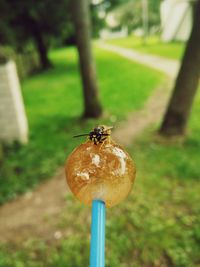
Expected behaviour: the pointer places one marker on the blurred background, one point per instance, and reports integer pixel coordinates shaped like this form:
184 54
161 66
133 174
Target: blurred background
68 66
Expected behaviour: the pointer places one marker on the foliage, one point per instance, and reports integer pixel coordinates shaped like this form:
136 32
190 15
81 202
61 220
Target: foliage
153 46
53 105
35 22
6 32
50 18
97 23
27 62
129 13
154 12
6 54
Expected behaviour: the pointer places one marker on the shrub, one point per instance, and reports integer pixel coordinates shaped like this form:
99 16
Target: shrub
26 62
6 54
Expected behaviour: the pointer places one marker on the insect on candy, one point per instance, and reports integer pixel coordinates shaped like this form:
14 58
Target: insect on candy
98 135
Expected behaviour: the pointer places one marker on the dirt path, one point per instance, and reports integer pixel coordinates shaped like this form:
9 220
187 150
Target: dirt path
167 66
36 214
156 105
152 112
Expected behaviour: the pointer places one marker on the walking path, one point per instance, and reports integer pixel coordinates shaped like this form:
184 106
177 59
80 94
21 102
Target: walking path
151 113
36 214
155 107
167 66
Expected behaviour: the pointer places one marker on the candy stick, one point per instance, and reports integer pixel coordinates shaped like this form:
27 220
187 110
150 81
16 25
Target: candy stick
97 246
101 168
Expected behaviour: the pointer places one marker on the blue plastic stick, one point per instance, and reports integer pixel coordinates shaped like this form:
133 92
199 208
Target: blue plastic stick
97 246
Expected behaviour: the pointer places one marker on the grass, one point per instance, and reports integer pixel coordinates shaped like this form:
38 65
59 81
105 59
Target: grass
153 45
158 225
53 103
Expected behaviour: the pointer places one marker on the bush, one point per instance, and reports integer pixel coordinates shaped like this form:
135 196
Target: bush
26 62
6 54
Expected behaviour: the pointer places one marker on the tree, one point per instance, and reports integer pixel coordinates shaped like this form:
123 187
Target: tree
92 107
176 117
129 13
35 21
97 21
6 35
32 25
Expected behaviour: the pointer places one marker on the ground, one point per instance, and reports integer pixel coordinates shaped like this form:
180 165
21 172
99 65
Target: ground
54 106
153 46
45 201
158 225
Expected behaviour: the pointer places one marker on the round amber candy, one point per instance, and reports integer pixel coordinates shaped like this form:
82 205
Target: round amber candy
104 171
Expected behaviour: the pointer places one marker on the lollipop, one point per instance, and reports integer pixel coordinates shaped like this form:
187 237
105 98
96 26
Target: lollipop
99 172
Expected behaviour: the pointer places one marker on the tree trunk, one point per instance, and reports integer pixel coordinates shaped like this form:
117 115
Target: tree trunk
186 85
92 107
41 46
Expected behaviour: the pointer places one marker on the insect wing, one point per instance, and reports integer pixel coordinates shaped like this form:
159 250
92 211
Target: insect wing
79 135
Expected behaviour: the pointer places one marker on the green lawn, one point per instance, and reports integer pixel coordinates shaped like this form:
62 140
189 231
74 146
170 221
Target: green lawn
158 225
153 46
53 103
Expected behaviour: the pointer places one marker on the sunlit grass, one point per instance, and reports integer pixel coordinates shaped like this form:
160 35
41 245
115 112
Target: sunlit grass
153 45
